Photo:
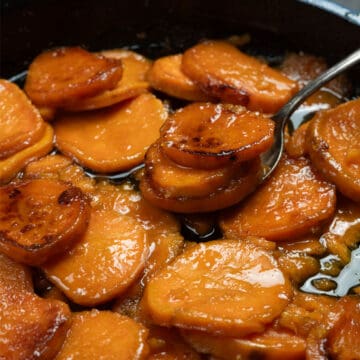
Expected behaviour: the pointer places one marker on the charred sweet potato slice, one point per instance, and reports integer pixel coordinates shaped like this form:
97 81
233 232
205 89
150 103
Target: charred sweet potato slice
333 143
64 75
239 187
290 204
173 180
40 218
111 139
132 83
204 135
166 75
224 72
97 335
21 124
116 244
30 327
227 287
272 344
10 166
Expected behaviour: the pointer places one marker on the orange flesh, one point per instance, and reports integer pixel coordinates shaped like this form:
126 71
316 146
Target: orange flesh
28 323
296 145
35 224
112 139
64 75
173 180
236 190
226 287
118 246
224 72
10 166
290 204
165 75
132 83
20 123
205 135
104 335
333 143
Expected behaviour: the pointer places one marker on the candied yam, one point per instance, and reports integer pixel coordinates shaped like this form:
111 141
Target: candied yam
239 187
308 245
173 180
343 339
166 344
204 135
40 218
12 165
106 335
224 72
333 137
47 113
64 75
166 75
116 244
290 204
272 344
20 123
30 327
111 139
227 287
296 144
132 83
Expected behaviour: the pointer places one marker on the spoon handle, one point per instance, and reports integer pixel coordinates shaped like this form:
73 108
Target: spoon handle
312 86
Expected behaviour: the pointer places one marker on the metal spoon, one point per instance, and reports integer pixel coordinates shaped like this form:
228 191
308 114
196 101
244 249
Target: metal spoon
271 158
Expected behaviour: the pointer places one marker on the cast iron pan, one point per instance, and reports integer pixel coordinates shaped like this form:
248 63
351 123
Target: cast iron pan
159 27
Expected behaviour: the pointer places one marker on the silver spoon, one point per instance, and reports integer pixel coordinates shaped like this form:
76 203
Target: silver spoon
271 158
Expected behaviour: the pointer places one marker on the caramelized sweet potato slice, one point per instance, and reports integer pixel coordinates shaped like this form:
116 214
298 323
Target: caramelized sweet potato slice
111 139
296 145
166 75
116 244
204 135
270 345
97 335
20 123
227 287
10 166
290 204
30 327
224 72
64 75
40 218
166 344
173 180
132 83
333 143
239 187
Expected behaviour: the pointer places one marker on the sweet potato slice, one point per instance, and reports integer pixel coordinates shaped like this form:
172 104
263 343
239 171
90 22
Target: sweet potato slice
296 145
132 83
64 75
40 218
10 166
30 327
270 345
104 335
166 344
237 189
111 139
290 204
333 143
227 287
166 75
173 180
116 244
204 135
224 72
20 123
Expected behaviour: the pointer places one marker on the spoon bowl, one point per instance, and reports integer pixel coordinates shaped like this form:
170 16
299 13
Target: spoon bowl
271 157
